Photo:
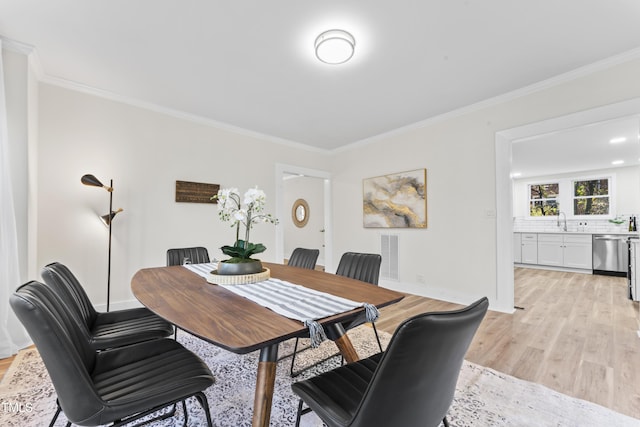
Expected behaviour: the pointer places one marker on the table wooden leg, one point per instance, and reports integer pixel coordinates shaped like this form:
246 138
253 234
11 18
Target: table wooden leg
346 348
265 382
337 334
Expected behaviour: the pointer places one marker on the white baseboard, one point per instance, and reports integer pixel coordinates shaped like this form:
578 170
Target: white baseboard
441 294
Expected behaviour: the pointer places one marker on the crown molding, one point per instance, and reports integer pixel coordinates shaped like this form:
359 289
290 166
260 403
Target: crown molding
16 46
500 99
101 93
24 49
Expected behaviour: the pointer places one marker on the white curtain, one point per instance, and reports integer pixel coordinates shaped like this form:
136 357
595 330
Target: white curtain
12 334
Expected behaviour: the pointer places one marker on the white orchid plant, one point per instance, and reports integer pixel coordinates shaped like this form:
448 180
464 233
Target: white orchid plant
230 209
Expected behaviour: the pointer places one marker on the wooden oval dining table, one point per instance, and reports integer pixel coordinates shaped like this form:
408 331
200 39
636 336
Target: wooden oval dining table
239 325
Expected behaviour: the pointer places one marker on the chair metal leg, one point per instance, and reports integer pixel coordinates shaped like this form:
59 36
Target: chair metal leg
377 337
205 406
186 413
293 358
299 414
286 356
55 416
295 374
295 351
127 421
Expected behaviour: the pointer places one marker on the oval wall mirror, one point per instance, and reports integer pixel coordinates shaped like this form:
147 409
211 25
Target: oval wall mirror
300 213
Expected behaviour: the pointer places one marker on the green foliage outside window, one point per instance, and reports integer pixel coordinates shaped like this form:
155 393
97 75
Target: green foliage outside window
543 208
591 197
543 199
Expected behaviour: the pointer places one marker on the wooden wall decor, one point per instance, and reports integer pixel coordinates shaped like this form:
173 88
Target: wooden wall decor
196 192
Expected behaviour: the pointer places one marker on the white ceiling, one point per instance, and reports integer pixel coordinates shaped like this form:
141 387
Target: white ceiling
580 149
249 64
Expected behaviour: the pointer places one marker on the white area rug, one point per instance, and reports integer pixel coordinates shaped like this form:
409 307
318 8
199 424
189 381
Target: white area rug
484 397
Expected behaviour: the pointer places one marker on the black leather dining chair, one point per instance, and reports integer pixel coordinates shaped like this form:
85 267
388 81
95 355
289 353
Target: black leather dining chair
119 385
194 255
304 258
355 265
106 329
360 266
366 268
411 384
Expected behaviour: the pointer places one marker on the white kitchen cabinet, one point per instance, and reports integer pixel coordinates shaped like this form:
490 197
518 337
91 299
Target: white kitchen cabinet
517 248
577 251
550 248
565 250
529 248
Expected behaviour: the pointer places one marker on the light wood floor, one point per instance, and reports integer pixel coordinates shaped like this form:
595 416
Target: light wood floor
577 334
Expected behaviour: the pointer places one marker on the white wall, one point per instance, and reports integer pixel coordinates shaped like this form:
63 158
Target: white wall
144 152
456 254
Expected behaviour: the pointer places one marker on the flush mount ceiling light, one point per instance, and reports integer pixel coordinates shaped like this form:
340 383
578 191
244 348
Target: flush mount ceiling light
617 140
335 46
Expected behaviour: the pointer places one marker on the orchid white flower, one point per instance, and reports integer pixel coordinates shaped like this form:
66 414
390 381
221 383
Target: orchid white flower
255 197
230 209
240 215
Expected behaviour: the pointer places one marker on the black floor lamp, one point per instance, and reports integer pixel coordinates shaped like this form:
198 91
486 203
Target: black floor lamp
106 219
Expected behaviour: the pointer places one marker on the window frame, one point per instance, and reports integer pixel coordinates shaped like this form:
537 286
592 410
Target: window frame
530 200
610 184
566 196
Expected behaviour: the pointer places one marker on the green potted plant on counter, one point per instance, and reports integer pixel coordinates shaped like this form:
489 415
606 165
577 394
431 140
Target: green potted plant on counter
230 209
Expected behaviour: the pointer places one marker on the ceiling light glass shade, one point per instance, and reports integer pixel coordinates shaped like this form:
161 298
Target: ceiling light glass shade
335 46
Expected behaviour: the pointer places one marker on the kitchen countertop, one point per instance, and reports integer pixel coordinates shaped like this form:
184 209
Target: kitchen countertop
555 231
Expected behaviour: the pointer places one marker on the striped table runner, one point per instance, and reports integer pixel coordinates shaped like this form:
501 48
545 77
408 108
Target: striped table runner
203 269
293 301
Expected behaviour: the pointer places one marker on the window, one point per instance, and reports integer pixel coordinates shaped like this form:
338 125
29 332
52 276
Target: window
578 197
591 197
543 199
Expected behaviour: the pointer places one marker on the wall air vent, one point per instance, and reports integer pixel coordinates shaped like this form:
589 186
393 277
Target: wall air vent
389 252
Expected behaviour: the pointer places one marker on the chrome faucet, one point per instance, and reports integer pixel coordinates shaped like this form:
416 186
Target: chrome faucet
565 220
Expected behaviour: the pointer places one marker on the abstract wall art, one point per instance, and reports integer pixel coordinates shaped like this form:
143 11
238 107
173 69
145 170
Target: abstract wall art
396 200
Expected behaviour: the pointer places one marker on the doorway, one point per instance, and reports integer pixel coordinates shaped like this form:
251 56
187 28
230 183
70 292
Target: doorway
317 229
504 187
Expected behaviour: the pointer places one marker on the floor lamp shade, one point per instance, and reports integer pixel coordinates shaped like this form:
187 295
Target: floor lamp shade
107 219
92 181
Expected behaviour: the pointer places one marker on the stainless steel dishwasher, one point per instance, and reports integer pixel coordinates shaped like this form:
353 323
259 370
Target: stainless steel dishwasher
610 254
